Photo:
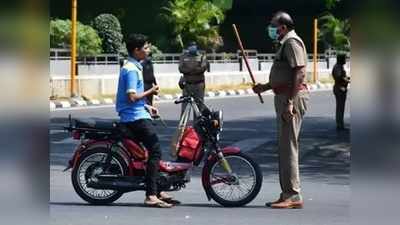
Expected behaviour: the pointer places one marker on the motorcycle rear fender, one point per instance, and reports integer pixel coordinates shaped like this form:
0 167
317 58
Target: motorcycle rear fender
204 177
92 144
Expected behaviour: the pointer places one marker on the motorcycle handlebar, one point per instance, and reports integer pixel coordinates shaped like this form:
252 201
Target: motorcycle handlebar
182 99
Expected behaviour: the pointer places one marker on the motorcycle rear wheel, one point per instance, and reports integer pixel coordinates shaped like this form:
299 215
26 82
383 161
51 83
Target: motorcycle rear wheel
90 164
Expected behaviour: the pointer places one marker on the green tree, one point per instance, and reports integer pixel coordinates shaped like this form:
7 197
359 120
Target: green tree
109 30
330 4
156 52
223 4
335 33
88 41
195 20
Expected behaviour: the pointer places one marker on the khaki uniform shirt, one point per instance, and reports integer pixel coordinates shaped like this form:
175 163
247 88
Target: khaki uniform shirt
340 77
291 54
193 67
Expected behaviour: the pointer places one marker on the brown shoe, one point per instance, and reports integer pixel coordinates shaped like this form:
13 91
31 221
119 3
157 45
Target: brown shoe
288 204
268 204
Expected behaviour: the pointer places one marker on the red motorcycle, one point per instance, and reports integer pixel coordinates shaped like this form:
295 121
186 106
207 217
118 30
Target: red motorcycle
106 164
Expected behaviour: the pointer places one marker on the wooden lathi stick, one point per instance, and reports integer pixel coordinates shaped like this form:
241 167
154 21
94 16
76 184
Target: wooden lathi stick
245 60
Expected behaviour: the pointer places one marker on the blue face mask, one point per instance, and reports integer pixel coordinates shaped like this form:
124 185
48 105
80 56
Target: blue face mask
273 33
192 50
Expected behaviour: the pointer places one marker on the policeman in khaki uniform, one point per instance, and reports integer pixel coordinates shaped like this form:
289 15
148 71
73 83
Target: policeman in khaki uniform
287 80
193 65
340 89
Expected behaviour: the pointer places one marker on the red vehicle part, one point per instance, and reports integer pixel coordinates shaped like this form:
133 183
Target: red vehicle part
76 135
190 146
90 144
137 152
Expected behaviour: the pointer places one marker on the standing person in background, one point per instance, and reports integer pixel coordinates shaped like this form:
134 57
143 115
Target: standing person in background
340 89
192 65
148 75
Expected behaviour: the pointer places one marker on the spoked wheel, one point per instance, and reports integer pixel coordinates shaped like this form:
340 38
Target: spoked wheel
90 165
240 187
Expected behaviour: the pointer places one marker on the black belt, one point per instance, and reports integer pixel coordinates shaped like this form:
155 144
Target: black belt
194 82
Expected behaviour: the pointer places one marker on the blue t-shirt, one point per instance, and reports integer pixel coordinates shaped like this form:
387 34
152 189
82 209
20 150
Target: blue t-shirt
131 81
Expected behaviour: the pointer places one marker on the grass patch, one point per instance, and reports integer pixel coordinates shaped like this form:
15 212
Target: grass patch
323 78
228 87
59 98
326 80
170 91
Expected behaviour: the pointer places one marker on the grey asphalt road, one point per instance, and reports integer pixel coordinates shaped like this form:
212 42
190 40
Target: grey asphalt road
324 168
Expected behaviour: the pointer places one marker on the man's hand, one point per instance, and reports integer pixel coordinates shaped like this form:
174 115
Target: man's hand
259 88
155 90
152 110
152 91
288 113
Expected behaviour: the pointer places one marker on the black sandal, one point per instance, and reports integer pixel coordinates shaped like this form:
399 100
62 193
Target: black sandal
170 201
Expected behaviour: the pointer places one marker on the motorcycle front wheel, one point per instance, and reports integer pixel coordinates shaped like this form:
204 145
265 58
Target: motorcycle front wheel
238 188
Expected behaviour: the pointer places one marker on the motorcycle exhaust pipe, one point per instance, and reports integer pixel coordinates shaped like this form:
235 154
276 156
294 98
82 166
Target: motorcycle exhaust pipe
119 185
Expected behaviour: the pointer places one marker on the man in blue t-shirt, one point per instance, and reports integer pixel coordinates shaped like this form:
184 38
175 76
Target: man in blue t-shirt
136 116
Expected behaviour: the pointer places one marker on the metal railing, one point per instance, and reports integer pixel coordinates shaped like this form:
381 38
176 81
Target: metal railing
171 58
60 54
166 58
265 57
101 59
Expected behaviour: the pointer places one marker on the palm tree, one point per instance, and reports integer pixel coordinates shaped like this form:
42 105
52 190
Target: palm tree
330 4
195 20
335 33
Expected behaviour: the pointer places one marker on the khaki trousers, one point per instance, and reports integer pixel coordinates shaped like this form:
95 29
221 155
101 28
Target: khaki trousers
197 90
288 143
340 96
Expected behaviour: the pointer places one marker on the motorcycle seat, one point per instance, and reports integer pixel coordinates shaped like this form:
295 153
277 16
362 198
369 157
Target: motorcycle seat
98 124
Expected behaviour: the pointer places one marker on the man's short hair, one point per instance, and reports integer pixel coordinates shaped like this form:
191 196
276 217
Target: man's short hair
135 41
283 18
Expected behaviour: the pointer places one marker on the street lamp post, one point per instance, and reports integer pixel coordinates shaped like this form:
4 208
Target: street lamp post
315 59
73 46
